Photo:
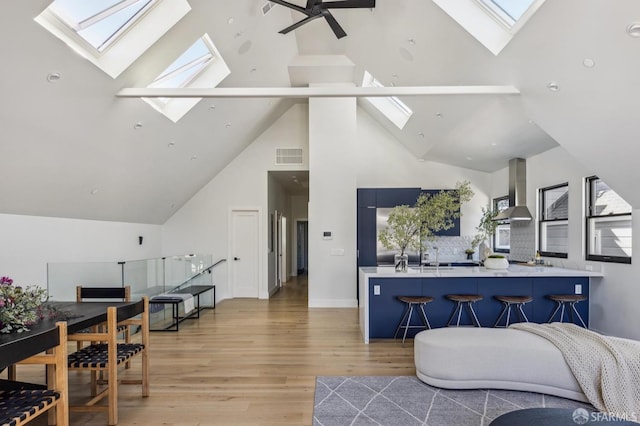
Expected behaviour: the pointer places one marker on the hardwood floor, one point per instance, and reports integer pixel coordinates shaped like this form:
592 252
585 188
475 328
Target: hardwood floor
250 362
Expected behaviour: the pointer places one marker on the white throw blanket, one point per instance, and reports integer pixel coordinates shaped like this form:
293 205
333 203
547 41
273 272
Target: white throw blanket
607 368
187 300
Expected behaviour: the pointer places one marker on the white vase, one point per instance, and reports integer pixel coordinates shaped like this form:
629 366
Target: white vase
496 263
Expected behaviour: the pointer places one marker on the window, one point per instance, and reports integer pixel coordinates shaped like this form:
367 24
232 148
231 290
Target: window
392 107
100 22
111 34
554 221
608 224
507 11
502 237
199 66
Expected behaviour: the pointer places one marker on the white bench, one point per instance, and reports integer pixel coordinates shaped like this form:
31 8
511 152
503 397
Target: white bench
493 358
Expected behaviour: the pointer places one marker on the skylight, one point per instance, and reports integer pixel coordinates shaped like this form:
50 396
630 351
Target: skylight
392 107
100 22
199 66
111 34
508 11
493 23
184 69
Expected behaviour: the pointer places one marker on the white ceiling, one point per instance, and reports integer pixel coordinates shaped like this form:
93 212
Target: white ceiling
61 141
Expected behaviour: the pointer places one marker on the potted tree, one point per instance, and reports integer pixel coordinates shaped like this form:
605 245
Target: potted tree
412 227
486 228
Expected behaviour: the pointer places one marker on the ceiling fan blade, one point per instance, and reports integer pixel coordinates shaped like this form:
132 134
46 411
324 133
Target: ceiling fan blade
310 4
290 6
348 4
337 29
299 24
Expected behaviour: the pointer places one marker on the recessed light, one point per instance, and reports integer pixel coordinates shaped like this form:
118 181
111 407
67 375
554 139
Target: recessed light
421 160
53 77
634 29
494 144
439 114
212 107
194 157
553 86
469 158
254 69
589 63
171 144
230 21
138 125
411 42
227 125
94 191
421 134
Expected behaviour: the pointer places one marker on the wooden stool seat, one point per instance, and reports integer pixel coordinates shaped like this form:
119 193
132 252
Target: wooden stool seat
465 300
508 302
564 299
410 301
464 297
415 299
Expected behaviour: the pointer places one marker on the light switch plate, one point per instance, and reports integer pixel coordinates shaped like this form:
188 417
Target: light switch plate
376 290
578 288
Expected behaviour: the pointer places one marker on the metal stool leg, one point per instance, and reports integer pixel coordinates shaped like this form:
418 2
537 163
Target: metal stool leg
554 312
455 309
504 311
521 314
573 307
404 316
424 317
472 313
406 327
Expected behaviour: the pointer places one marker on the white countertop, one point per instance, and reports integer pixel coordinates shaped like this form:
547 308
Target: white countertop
477 271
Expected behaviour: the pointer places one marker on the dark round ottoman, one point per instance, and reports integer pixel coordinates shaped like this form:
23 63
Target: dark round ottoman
557 417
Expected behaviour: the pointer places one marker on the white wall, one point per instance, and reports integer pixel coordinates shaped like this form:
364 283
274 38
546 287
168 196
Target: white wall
332 202
383 162
28 243
201 225
612 298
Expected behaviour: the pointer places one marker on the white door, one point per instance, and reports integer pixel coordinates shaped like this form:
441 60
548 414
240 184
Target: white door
244 254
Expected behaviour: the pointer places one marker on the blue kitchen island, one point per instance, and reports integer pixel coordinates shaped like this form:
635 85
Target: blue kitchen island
380 311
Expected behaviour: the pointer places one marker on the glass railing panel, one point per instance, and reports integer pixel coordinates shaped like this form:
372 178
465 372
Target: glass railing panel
62 278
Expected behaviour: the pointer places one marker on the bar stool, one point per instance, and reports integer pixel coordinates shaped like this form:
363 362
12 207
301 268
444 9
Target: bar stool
465 300
563 299
508 302
420 301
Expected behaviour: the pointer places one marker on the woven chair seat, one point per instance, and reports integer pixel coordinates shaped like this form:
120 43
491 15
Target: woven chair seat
95 356
18 405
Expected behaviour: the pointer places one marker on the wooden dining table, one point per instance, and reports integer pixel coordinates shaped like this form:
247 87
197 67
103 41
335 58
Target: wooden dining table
42 336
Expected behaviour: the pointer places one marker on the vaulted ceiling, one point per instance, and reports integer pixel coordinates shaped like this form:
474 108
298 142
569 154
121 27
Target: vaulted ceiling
72 148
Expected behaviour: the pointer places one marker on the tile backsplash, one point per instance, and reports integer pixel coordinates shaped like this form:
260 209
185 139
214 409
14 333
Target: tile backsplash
450 249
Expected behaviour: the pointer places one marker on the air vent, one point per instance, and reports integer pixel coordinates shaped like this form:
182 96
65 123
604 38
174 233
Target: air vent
286 156
266 8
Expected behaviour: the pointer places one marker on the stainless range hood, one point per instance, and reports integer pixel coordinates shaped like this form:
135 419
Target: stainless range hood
517 192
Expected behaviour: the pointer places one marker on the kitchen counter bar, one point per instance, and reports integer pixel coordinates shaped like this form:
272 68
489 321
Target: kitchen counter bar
380 311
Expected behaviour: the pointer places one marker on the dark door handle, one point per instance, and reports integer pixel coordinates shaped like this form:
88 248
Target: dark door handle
236 258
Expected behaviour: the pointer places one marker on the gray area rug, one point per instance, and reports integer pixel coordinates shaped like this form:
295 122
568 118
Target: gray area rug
406 401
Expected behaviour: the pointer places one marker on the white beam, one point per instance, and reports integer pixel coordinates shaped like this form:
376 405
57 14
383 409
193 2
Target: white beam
314 92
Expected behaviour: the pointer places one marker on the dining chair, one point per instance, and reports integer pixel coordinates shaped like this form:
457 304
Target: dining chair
107 357
121 294
23 402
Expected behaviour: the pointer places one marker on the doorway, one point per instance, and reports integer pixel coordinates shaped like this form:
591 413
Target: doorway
302 247
244 253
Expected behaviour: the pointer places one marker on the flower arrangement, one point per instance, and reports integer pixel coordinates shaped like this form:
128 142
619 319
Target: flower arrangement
20 307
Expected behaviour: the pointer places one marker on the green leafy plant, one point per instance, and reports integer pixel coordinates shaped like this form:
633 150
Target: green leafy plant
409 227
486 228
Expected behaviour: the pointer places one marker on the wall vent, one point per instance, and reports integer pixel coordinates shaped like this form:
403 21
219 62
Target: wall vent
288 156
266 7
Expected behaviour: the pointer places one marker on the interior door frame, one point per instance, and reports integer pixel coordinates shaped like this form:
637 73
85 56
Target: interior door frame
294 245
262 293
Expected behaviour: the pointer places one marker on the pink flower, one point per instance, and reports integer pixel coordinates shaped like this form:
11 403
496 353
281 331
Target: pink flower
6 280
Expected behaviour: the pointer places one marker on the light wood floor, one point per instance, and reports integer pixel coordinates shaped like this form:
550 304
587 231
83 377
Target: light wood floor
250 362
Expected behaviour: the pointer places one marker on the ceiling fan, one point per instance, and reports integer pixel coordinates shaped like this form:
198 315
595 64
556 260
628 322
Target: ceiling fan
320 9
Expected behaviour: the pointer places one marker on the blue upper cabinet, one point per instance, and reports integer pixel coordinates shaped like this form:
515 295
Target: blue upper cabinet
367 197
391 197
